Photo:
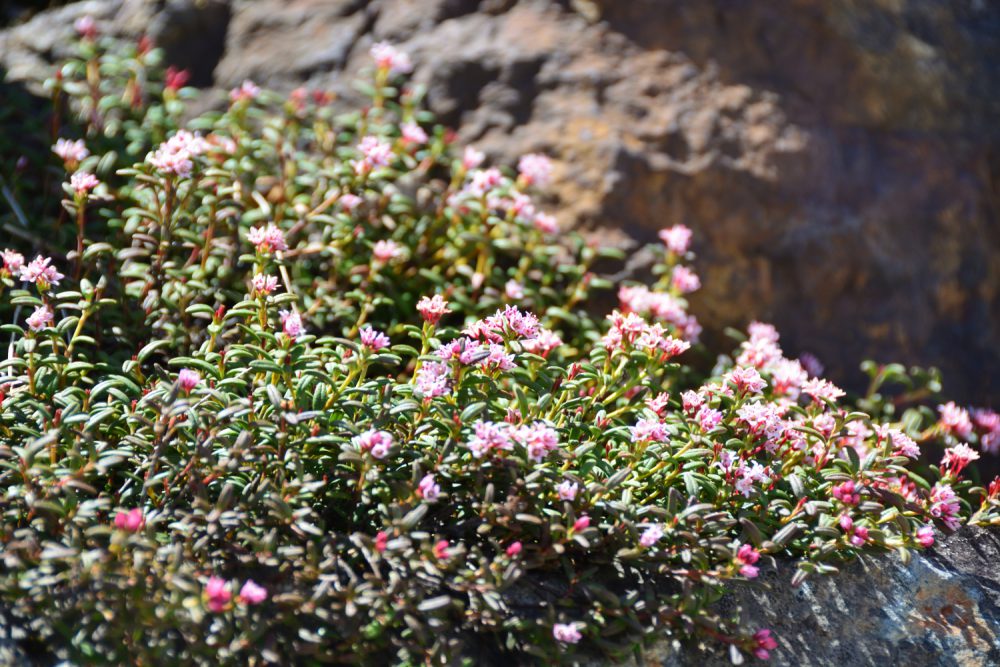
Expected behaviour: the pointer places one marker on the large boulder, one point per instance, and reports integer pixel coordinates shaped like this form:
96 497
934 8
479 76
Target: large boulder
837 159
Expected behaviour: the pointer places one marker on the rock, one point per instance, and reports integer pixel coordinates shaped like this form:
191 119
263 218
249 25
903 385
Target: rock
941 610
837 159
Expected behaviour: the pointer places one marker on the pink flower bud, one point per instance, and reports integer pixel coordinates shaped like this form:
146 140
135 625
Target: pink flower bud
131 521
252 593
566 633
218 594
188 379
765 643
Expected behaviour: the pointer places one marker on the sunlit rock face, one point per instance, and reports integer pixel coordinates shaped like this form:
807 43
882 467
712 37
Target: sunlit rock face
942 610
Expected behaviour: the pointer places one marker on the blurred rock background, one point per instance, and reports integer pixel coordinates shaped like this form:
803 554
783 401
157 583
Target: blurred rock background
839 160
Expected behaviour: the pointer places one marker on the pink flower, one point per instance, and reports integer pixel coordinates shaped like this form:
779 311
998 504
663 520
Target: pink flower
441 549
40 273
12 261
658 403
860 536
131 521
958 457
821 389
374 441
825 424
986 420
988 426
374 153
386 251
676 238
761 418
747 380
655 339
762 331
350 201
748 475
174 156
566 633
567 490
903 445
483 181
649 430
291 324
427 489
267 239
787 378
373 339
582 523
945 505
692 401
40 319
684 280
433 379
955 420
514 549
489 437
925 536
522 206
508 321
765 643
86 27
543 343
546 223
498 359
538 439
218 594
251 593
472 158
389 58
760 353
381 541
83 182
246 91
71 152
846 494
432 308
746 558
263 284
465 350
708 419
651 536
188 379
535 169
413 133
513 290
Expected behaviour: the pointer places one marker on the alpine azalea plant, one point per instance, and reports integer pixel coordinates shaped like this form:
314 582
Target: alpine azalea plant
296 385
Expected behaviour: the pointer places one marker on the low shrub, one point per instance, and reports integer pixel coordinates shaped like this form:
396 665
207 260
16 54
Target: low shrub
290 385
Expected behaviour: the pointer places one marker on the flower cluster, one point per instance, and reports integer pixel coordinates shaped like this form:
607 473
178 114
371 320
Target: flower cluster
347 393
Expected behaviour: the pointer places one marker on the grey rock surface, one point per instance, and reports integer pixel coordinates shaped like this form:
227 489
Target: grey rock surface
942 609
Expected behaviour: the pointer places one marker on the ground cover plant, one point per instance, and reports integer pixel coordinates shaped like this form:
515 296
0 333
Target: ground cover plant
287 384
